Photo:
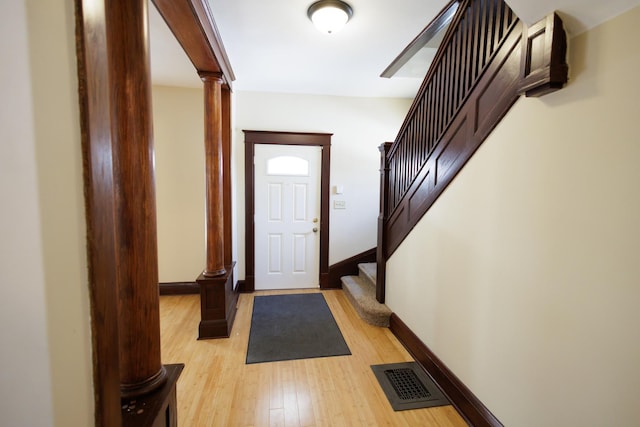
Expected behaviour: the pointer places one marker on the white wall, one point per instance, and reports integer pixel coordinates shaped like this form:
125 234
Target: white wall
178 126
44 313
524 277
359 126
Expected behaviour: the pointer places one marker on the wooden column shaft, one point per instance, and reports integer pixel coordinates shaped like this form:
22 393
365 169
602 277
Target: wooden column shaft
141 370
214 174
95 124
226 168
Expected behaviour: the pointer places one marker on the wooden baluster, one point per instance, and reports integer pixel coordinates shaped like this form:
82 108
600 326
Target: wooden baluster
416 138
477 29
440 104
455 69
483 33
500 20
422 136
409 149
497 18
462 59
470 50
431 118
491 29
447 85
462 33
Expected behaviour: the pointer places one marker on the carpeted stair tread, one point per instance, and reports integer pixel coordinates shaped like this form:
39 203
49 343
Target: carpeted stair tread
362 296
369 270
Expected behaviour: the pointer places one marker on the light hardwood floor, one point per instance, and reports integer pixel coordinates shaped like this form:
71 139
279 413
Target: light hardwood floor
217 388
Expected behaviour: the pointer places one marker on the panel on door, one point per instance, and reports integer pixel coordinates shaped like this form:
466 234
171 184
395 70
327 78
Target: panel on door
287 209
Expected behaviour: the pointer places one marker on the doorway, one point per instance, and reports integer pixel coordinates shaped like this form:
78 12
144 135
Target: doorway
287 216
253 141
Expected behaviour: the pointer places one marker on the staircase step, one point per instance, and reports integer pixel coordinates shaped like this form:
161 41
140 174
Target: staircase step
368 271
363 298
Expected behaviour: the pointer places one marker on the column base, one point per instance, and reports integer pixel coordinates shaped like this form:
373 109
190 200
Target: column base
157 408
218 302
131 391
214 273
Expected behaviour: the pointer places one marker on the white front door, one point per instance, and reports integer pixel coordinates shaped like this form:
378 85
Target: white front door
287 216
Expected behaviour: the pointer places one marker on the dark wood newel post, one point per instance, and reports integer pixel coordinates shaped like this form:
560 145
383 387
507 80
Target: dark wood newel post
214 174
381 251
141 370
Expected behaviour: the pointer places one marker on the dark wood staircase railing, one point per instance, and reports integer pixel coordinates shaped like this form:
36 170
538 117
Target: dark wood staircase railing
487 59
476 37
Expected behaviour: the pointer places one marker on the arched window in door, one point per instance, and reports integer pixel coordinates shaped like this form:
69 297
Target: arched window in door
287 165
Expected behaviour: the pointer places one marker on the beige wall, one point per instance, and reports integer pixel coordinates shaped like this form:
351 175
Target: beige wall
46 377
524 277
178 124
359 126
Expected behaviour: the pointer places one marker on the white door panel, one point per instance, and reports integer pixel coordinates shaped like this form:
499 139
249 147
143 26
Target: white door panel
299 253
275 202
287 216
274 253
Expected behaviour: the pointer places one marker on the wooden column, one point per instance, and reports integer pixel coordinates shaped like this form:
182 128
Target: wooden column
141 370
214 174
217 296
98 177
226 165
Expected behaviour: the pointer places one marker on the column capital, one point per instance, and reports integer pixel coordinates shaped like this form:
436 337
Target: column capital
207 76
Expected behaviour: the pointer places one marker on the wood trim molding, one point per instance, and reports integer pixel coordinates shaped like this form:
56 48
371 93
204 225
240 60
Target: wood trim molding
467 404
249 224
544 51
192 23
442 19
241 286
95 126
210 28
252 137
348 267
179 288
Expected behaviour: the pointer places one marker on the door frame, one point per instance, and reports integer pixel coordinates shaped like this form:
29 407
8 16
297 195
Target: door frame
252 137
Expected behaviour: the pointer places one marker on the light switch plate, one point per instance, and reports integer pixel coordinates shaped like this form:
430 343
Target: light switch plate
339 204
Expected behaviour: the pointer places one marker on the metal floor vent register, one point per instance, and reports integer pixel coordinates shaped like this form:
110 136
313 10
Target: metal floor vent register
407 386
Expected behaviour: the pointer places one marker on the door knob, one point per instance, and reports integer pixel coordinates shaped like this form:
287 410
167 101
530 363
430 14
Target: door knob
315 229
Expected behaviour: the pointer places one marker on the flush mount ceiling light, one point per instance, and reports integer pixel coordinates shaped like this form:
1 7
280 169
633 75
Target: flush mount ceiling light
329 16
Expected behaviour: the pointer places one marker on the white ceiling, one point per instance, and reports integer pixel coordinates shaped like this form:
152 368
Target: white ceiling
273 47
